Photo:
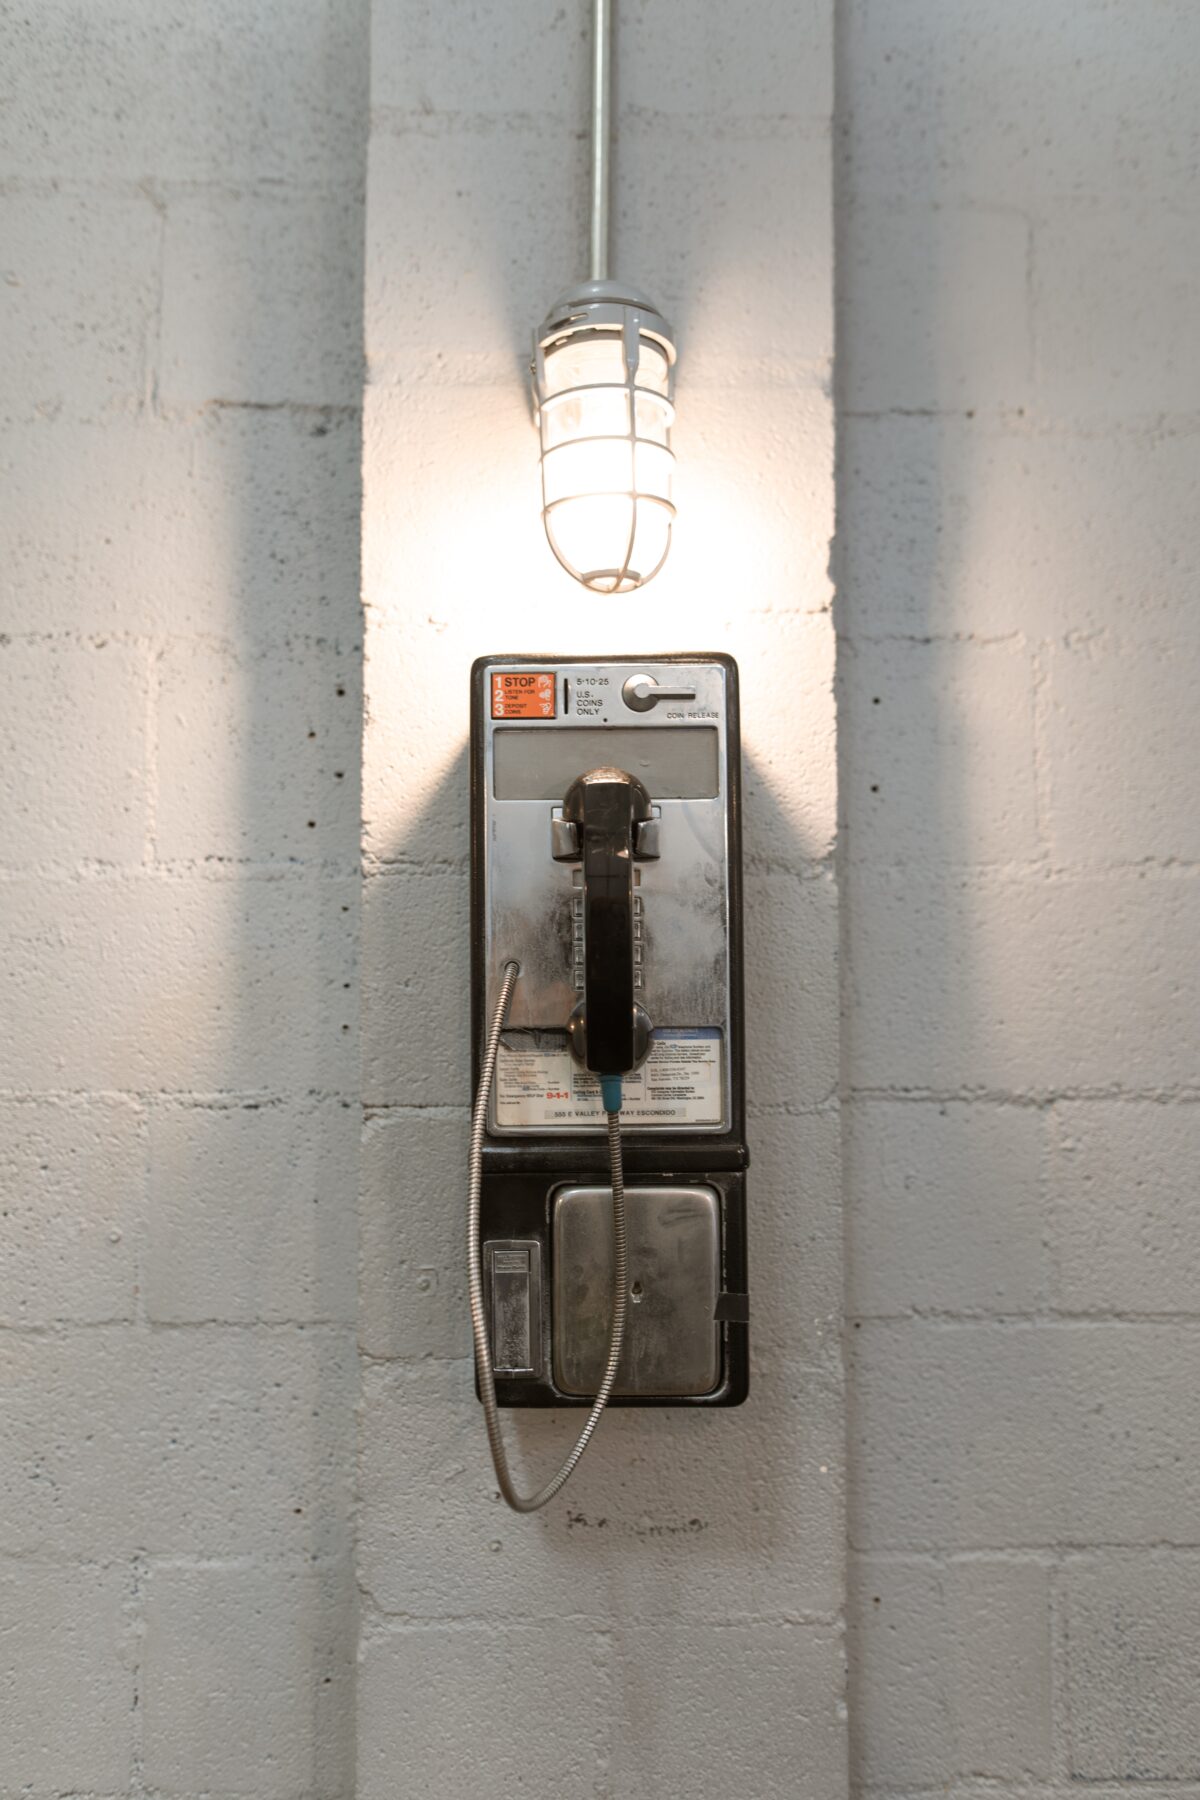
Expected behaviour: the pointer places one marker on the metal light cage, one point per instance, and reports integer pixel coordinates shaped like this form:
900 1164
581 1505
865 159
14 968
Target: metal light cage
603 375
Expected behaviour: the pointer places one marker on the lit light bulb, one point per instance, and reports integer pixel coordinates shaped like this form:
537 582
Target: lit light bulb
602 374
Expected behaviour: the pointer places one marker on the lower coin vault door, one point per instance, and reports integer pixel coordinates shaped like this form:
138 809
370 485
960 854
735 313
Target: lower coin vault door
671 1338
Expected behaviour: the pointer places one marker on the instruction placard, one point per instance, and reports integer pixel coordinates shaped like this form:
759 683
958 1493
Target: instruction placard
538 1083
523 694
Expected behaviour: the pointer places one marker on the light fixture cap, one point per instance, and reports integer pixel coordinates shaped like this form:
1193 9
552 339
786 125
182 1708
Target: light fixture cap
589 303
601 303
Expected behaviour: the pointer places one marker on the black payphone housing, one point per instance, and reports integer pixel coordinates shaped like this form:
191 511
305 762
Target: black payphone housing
538 725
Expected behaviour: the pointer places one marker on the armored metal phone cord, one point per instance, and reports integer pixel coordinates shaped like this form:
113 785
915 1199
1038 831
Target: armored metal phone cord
525 1503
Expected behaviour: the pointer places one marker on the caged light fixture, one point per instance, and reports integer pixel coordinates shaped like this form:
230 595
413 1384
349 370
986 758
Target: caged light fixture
603 363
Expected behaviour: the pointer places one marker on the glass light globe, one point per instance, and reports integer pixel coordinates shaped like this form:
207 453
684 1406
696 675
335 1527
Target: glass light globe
602 376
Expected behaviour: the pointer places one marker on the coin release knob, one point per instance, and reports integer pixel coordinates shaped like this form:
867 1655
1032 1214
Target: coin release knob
641 692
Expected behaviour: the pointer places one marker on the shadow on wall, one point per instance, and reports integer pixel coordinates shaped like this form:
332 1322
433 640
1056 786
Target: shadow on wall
253 1142
1015 668
937 781
190 533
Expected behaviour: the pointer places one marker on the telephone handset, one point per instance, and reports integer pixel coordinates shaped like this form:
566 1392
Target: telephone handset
607 1005
608 1030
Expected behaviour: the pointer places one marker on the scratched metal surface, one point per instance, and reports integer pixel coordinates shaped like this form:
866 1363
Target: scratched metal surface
685 893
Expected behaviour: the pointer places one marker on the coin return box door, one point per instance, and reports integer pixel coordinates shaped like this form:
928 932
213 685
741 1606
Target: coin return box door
672 1339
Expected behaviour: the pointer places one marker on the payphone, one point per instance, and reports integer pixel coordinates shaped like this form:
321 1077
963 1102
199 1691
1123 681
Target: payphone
607 1239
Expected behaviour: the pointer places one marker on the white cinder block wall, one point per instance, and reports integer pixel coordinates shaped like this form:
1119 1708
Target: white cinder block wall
180 228
672 1623
180 235
1019 383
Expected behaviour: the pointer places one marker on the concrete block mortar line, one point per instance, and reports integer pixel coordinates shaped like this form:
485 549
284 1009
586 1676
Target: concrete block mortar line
978 873
97 640
732 127
136 1619
405 121
154 334
1050 1254
976 1788
159 190
1060 1729
1024 422
975 875
216 869
387 868
682 127
1059 1553
1044 1556
141 1790
271 643
153 1560
378 1112
378 1623
805 868
826 1106
1042 1098
983 639
266 187
143 1324
72 1097
1153 1550
247 643
1031 306
153 705
299 409
375 867
1047 1317
821 609
307 1562
249 1099
219 1100
1041 755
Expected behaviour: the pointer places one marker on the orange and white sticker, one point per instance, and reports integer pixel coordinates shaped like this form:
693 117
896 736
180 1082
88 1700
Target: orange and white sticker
523 694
